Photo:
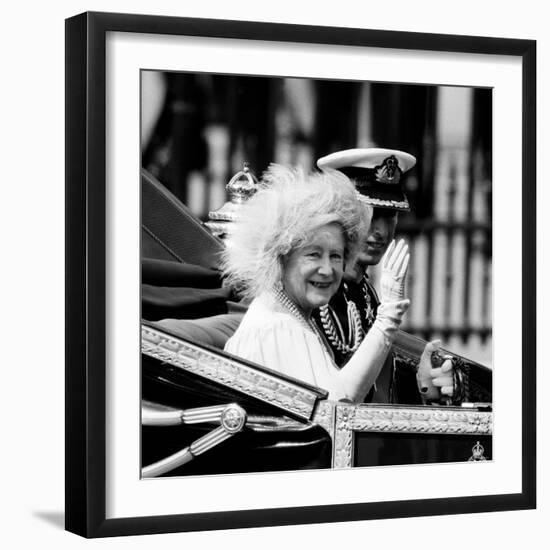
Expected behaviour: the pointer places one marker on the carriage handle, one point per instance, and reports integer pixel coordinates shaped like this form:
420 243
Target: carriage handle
231 419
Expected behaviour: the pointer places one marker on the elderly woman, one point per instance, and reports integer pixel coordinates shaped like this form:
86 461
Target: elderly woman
287 254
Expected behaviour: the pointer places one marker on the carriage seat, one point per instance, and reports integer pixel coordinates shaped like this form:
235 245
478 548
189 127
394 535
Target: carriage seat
212 331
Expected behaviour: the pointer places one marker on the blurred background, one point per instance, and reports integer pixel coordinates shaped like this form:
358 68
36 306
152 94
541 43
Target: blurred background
199 129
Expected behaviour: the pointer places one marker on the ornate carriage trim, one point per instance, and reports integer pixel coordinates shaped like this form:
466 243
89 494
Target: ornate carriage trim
325 416
365 418
228 372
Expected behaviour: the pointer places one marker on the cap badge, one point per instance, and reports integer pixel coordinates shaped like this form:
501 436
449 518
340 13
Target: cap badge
388 171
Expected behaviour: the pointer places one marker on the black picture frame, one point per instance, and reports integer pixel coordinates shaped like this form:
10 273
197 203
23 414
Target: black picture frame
86 263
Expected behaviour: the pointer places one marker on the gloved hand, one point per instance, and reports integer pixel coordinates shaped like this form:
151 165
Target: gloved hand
389 316
434 382
394 271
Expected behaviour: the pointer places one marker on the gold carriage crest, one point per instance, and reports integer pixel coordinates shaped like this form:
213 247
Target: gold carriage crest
477 453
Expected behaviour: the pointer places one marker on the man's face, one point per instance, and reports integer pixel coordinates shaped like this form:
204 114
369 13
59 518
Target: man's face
380 235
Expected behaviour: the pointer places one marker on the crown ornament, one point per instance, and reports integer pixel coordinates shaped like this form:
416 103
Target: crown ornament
240 188
478 453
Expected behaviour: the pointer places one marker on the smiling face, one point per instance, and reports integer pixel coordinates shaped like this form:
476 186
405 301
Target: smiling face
312 273
380 235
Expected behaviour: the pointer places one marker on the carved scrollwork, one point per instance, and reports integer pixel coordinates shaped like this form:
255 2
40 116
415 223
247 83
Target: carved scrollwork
228 372
324 416
343 436
364 418
422 420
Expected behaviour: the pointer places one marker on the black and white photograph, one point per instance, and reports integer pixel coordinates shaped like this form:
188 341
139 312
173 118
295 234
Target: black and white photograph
300 263
275 275
316 273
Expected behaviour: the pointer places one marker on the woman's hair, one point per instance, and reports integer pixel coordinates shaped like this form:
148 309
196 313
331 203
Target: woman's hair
282 216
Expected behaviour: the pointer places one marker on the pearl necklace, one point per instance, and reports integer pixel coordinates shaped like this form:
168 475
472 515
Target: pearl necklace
297 313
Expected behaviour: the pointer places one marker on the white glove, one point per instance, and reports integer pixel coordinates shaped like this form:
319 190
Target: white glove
394 271
433 383
389 316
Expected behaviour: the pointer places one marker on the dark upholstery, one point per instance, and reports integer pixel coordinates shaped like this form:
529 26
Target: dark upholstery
212 331
171 230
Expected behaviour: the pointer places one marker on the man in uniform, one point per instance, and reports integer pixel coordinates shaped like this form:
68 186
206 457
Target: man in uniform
378 178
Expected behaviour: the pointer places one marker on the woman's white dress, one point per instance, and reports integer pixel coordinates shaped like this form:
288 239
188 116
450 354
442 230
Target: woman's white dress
273 337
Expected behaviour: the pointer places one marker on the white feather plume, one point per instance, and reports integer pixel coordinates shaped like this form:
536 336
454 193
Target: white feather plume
282 216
